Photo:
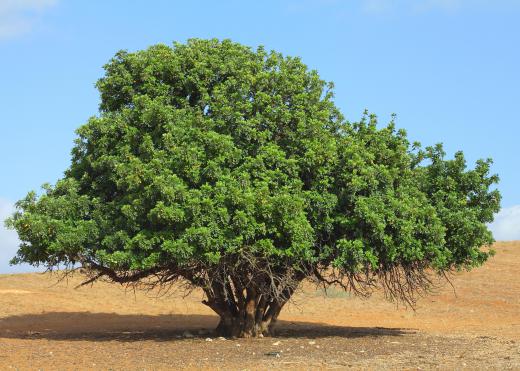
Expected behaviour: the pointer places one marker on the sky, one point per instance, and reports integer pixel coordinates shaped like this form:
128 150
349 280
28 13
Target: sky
449 69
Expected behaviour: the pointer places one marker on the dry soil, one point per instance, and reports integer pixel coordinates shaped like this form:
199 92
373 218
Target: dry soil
52 326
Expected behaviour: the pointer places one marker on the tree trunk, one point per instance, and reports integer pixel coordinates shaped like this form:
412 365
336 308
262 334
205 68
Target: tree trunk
250 325
246 314
248 310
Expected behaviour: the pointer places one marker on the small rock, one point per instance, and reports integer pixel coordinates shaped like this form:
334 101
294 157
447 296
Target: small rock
261 336
237 345
187 334
277 343
273 354
222 338
312 342
209 339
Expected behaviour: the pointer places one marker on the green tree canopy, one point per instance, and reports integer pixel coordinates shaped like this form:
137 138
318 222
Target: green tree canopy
232 169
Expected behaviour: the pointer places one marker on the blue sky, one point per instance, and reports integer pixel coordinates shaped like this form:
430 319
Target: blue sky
449 69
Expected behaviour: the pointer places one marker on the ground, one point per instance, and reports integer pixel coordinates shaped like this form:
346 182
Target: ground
475 325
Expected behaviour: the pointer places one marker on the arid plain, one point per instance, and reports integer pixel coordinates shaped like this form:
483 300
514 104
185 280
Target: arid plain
53 326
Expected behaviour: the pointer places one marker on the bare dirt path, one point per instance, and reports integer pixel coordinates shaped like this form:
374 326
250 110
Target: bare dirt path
49 326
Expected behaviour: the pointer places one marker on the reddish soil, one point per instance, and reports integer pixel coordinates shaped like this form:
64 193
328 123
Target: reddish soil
49 326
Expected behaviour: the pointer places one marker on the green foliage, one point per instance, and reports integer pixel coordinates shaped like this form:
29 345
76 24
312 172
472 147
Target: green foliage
210 149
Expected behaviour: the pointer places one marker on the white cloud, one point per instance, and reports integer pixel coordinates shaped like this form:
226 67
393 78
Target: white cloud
506 226
18 16
447 5
9 241
380 6
376 6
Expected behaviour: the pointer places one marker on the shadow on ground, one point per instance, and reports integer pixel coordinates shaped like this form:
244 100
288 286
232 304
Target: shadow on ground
128 327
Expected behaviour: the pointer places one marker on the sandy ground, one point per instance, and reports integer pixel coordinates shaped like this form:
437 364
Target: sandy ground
49 326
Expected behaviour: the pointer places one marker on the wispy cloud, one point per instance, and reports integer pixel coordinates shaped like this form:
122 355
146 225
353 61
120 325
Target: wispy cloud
506 226
18 16
380 6
9 241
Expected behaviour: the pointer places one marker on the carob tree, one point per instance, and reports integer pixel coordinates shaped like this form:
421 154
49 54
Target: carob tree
232 170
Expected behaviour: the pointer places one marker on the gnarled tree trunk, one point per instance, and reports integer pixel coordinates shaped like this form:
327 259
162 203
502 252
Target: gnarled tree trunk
256 322
245 312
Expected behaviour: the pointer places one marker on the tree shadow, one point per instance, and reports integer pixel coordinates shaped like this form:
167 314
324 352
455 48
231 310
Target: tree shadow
89 326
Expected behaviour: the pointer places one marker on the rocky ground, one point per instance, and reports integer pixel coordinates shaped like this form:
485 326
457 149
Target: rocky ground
52 326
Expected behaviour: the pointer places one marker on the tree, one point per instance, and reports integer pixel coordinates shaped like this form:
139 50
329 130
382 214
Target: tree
232 170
